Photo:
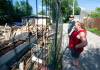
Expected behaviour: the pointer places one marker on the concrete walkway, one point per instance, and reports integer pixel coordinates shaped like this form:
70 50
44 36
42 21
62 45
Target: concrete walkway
89 58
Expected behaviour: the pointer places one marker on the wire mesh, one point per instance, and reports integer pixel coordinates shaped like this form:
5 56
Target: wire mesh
42 36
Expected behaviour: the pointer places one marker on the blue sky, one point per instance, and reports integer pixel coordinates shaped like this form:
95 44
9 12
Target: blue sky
89 4
84 4
33 4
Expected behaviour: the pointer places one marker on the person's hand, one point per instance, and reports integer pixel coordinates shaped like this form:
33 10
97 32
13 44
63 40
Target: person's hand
77 46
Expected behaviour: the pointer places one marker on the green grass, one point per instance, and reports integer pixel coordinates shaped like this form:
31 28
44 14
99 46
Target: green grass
94 30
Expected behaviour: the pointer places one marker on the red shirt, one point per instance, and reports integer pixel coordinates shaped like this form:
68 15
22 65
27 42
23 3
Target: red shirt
73 41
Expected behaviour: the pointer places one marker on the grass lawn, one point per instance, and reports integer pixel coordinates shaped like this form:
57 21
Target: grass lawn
94 30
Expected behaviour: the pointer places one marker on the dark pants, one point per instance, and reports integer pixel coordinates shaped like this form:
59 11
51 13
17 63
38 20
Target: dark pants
75 54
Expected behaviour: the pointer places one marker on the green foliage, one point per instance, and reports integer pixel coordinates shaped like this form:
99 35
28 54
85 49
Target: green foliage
42 12
66 7
98 10
23 8
95 14
77 10
94 30
10 12
5 7
6 11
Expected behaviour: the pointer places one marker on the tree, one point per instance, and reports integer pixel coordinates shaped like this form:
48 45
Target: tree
22 9
5 7
42 12
98 10
51 7
6 11
10 12
66 7
96 13
77 10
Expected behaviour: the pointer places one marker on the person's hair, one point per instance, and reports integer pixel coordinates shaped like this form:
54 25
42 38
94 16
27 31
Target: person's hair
82 25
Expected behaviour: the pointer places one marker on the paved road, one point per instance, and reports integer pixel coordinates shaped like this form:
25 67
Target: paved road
89 58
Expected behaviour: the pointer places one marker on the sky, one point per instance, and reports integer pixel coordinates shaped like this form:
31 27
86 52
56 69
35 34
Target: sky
33 4
89 4
84 4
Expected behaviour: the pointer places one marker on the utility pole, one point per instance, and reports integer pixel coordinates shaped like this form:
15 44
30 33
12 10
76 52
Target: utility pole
73 6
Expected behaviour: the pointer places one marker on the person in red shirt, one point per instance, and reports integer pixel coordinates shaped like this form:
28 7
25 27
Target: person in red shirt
77 42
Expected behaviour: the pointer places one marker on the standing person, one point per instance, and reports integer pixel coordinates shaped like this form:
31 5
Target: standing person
77 42
71 24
